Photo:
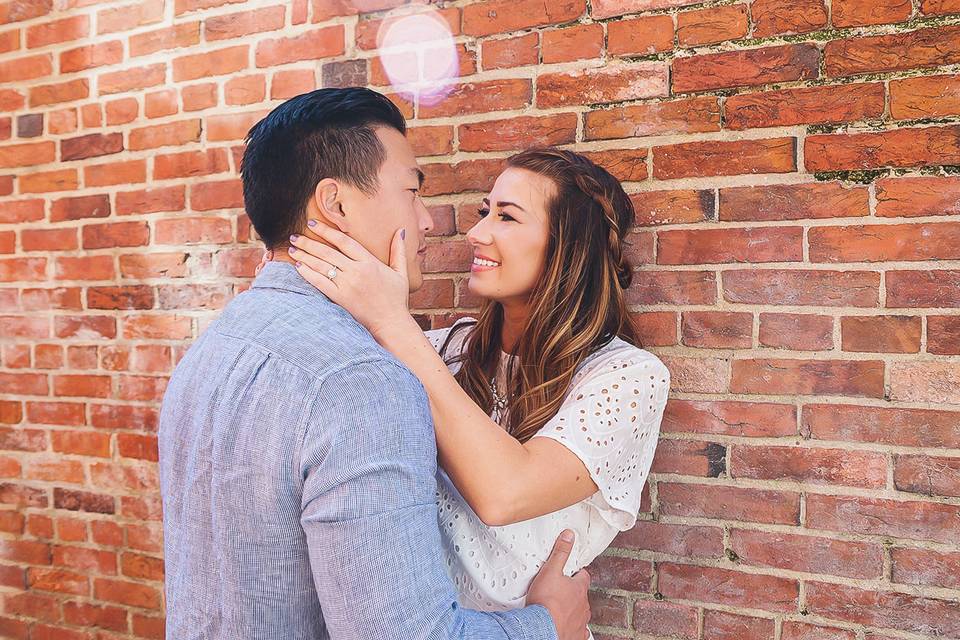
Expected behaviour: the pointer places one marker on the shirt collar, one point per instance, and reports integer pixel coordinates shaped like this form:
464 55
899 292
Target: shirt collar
283 275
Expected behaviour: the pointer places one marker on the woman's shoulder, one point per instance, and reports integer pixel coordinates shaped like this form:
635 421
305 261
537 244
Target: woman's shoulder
619 359
438 337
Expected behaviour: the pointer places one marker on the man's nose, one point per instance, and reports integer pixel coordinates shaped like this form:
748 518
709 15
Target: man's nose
426 219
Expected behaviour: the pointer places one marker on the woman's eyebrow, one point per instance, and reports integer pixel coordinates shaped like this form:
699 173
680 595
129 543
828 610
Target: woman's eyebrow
504 203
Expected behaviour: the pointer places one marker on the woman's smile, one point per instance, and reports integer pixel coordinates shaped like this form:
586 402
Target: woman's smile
482 263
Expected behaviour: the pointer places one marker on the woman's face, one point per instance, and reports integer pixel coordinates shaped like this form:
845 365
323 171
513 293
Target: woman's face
510 240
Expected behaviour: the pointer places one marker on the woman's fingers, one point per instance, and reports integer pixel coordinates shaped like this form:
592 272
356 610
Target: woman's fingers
350 247
319 265
324 284
308 246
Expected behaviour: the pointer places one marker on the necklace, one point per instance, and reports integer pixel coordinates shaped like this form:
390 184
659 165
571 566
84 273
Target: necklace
499 401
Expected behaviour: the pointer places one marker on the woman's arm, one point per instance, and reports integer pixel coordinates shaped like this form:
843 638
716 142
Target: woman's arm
503 480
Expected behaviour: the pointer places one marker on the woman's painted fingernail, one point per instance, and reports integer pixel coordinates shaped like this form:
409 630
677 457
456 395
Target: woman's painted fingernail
311 223
403 234
299 264
294 238
292 250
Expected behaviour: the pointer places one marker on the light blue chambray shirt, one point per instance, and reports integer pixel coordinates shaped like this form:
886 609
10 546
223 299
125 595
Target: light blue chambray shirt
297 468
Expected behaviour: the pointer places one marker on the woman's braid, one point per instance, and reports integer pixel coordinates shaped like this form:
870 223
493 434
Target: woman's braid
617 222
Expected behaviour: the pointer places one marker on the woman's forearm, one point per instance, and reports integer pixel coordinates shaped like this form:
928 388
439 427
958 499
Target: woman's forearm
485 463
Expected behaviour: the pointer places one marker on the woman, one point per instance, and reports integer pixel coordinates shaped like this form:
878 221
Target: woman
548 415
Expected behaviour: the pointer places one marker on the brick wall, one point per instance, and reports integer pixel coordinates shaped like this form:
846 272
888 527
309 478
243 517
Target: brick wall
793 167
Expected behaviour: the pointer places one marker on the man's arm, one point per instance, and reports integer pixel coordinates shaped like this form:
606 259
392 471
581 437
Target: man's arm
369 512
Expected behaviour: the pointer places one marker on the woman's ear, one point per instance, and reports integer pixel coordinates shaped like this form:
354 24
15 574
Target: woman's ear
328 201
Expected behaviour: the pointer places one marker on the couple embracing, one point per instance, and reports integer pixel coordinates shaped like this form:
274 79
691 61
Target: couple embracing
329 470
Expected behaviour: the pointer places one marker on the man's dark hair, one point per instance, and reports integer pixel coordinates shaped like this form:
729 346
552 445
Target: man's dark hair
327 133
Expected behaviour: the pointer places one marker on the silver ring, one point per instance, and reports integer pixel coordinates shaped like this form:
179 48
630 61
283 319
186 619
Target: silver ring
332 273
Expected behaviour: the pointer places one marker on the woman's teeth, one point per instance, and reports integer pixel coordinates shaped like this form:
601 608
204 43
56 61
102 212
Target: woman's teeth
485 263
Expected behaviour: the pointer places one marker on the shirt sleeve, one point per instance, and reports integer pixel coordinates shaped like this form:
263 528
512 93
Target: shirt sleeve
369 513
611 421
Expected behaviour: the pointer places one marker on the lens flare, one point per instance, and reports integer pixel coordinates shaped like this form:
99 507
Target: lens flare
418 55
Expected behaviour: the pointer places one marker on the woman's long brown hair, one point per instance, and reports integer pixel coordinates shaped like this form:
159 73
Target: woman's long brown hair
578 304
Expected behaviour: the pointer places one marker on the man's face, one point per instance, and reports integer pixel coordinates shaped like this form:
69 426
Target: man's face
372 221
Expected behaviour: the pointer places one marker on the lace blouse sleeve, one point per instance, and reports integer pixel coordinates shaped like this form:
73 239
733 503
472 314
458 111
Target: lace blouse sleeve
611 421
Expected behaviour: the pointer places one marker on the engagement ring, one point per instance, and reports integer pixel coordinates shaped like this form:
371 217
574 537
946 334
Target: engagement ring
332 273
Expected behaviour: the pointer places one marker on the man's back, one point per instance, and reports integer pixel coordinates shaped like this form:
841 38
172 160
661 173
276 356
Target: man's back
297 467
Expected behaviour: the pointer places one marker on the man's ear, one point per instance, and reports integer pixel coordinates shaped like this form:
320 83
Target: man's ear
328 200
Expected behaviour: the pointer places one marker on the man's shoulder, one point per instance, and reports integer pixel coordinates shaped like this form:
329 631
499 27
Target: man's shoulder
307 331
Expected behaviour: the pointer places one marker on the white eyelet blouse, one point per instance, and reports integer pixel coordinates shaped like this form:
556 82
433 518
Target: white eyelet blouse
610 419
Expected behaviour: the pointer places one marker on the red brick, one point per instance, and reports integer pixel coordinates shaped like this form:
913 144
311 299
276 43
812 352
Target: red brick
884 517
717 330
658 618
613 8
518 133
857 13
318 43
58 580
883 425
578 42
925 567
61 413
639 36
813 105
151 200
671 207
793 202
19 269
692 115
775 17
132 79
886 609
161 135
25 552
721 158
510 52
58 31
46 181
69 91
231 126
801 631
712 246
673 287
796 331
26 68
736 418
27 154
689 458
469 175
211 63
910 289
235 25
481 97
808 377
124 297
370 31
809 465
870 243
83 501
80 207
23 327
84 268
802 287
115 234
710 26
731 588
923 48
180 35
928 475
881 334
123 172
896 148
21 211
224 194
500 16
720 625
11 412
939 7
91 55
82 385
161 327
131 594
925 97
943 335
692 541
746 68
729 503
602 85
621 573
87 614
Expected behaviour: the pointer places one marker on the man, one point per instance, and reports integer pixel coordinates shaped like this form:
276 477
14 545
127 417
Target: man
297 456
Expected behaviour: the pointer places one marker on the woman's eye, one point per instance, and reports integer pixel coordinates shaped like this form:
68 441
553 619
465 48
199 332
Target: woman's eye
506 216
